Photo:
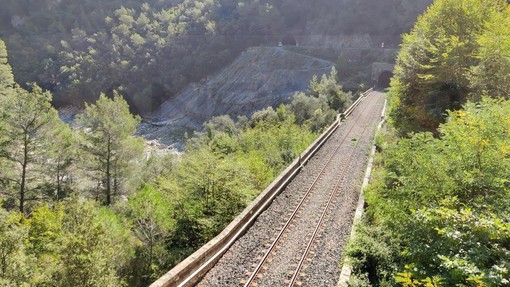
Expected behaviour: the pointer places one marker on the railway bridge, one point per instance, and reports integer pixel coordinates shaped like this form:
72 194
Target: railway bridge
293 234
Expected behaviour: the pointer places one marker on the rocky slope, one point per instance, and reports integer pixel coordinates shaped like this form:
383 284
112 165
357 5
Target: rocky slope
260 77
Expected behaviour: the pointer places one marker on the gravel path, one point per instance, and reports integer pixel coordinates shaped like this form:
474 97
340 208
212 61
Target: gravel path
355 137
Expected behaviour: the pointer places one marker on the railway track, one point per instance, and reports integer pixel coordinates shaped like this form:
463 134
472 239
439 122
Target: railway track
335 166
279 248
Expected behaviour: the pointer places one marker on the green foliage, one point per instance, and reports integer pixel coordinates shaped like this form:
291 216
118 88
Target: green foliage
322 102
490 76
405 279
327 87
28 120
90 250
444 201
445 61
61 168
70 240
305 107
73 243
277 143
172 205
109 144
138 49
470 244
16 266
265 116
45 230
152 214
222 124
371 252
118 236
6 77
222 170
217 184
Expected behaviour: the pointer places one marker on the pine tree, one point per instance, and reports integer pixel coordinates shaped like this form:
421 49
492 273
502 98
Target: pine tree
109 144
28 120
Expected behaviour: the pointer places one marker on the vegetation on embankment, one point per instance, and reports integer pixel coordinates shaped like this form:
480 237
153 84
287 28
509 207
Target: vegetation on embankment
83 206
437 208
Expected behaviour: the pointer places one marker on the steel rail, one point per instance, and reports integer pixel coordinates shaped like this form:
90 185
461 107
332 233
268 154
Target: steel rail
263 260
188 272
189 278
321 220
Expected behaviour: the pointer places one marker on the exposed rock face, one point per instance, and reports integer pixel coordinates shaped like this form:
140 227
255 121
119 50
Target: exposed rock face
260 77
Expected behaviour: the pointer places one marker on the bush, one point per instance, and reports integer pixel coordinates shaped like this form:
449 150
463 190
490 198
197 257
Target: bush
372 253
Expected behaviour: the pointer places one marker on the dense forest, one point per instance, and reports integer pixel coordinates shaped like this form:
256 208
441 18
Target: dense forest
148 51
438 206
88 204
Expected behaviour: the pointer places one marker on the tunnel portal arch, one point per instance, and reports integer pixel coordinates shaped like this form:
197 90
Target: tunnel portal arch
289 40
383 81
381 74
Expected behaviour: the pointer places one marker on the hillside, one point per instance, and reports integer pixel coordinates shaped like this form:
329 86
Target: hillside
151 50
259 77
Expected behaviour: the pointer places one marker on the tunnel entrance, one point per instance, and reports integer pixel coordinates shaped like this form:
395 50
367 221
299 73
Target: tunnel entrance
384 80
289 40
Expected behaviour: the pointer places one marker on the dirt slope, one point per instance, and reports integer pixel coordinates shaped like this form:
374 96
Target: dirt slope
260 77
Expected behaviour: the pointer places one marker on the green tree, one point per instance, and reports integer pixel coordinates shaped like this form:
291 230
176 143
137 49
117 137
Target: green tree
312 111
491 75
74 242
321 103
152 213
89 251
16 265
45 237
218 183
119 242
328 87
80 48
127 48
434 62
109 144
6 77
63 155
28 121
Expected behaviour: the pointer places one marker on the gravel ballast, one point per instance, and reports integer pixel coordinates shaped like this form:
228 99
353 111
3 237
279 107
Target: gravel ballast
322 267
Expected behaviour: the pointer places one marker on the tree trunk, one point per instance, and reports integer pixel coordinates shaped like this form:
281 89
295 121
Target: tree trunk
23 175
108 175
59 188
